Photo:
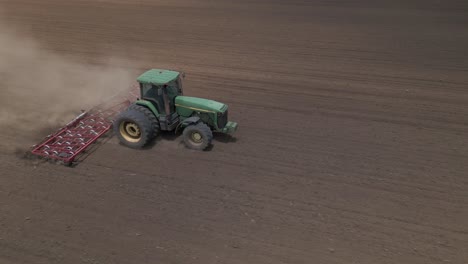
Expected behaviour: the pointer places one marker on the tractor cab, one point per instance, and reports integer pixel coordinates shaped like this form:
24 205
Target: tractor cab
160 88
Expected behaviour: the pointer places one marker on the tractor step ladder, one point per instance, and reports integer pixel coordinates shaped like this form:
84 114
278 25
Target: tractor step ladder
74 138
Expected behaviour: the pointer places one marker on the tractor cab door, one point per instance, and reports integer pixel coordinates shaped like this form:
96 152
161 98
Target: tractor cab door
162 97
154 94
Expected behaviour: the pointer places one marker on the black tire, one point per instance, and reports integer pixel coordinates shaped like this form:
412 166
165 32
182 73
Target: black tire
149 115
197 136
134 128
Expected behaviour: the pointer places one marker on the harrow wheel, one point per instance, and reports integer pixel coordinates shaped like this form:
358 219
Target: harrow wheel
136 127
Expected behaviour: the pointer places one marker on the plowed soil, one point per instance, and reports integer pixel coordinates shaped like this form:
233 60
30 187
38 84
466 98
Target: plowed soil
352 141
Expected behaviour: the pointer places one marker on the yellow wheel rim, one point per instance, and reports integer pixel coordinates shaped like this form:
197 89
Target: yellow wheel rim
130 131
197 137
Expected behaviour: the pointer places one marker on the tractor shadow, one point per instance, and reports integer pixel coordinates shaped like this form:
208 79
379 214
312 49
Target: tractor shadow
163 136
224 138
177 137
220 138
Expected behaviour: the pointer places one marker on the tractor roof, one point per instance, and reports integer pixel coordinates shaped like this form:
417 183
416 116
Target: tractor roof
158 77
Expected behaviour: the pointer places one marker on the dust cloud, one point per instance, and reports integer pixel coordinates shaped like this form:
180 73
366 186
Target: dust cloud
41 90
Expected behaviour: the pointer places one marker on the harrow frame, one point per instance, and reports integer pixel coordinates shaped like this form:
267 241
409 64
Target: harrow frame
78 135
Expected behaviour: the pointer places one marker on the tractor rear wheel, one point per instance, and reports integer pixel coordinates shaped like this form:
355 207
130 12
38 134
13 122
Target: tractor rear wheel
149 115
197 136
134 128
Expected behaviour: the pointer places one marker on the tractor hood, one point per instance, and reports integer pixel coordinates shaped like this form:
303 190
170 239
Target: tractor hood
199 104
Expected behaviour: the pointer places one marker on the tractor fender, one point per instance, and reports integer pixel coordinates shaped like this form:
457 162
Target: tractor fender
148 105
187 122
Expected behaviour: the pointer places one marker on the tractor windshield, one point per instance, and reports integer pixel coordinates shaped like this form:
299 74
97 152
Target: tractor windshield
172 91
174 88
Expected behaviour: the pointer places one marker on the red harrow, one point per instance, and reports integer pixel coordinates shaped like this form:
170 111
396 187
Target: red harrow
72 140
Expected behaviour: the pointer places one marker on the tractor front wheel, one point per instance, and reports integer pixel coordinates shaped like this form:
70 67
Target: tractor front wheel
197 136
135 129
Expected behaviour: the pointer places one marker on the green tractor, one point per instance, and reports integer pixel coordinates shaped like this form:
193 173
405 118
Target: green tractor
162 107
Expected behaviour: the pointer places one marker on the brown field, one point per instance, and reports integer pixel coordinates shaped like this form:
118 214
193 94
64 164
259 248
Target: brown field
352 145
